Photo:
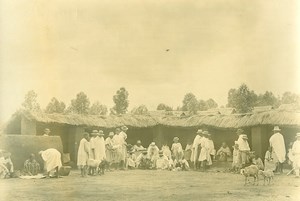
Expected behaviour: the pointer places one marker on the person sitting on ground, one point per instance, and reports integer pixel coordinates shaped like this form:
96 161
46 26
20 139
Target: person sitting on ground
236 163
31 166
6 165
166 150
176 149
52 161
130 162
46 132
258 162
143 162
153 153
182 165
224 152
162 163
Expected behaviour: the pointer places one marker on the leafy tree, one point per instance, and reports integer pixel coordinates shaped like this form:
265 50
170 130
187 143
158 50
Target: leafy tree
30 103
190 103
163 106
121 101
140 110
79 105
202 105
55 106
289 98
98 109
268 98
211 103
242 99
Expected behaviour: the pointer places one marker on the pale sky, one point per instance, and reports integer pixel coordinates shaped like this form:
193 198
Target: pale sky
61 47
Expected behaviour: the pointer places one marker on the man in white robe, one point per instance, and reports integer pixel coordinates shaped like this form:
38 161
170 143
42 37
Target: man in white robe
119 140
100 147
195 151
83 154
278 148
93 140
52 160
204 156
244 149
296 155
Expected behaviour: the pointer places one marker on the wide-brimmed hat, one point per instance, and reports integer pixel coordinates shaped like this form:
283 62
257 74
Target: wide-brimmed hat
245 137
276 128
176 139
111 134
152 144
139 142
205 133
240 131
199 131
297 135
101 133
94 132
124 128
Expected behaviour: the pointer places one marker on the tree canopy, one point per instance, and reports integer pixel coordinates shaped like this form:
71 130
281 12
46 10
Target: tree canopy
30 102
98 109
163 106
55 106
140 110
79 105
121 101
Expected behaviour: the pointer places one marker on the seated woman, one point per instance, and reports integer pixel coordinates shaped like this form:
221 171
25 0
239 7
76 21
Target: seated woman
224 152
31 166
6 165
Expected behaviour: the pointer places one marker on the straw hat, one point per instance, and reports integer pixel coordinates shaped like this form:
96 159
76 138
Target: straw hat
124 128
205 133
152 144
111 134
199 131
276 128
245 137
297 135
101 133
176 139
94 132
139 142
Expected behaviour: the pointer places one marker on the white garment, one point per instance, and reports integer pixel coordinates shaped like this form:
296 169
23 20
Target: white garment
52 159
277 143
195 148
99 148
83 152
243 144
296 154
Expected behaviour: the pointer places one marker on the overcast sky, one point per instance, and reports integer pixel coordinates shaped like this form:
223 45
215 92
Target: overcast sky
61 47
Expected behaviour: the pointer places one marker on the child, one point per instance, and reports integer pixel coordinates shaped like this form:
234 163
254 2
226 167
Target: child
162 162
269 163
235 160
130 162
258 162
177 149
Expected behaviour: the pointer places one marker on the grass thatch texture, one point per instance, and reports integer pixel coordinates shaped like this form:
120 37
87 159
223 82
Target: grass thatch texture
21 146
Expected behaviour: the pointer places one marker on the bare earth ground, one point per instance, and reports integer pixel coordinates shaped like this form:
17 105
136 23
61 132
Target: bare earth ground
150 185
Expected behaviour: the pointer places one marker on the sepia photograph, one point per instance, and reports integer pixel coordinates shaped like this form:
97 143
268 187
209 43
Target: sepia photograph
176 100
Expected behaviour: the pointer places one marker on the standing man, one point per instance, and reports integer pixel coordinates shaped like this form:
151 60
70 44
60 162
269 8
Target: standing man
119 139
101 155
296 155
244 148
46 132
83 154
278 148
195 150
110 149
52 159
93 143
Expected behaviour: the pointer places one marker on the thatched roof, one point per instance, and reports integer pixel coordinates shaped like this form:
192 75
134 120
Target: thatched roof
270 117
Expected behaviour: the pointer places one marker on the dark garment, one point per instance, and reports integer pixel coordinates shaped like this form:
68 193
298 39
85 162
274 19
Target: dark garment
31 167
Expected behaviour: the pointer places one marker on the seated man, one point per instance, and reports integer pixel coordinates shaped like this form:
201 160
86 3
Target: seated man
138 148
162 163
6 165
143 162
224 152
31 166
52 159
130 162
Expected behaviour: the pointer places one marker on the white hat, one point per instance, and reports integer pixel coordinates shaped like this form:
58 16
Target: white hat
199 131
276 128
245 137
152 144
297 134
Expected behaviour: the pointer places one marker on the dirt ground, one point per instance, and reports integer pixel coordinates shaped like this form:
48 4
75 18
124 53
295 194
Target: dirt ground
136 185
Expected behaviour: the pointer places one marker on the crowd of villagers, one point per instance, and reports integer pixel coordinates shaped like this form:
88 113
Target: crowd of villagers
114 153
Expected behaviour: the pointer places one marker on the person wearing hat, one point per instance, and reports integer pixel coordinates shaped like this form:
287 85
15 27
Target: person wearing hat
120 140
138 148
101 155
46 132
204 157
142 161
153 153
244 149
195 150
296 155
176 149
83 154
93 140
278 148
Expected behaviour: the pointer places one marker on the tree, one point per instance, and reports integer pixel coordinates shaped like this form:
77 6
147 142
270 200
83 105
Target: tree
202 105
55 106
121 101
140 110
242 99
30 103
268 98
98 109
190 103
163 106
79 105
289 98
211 103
